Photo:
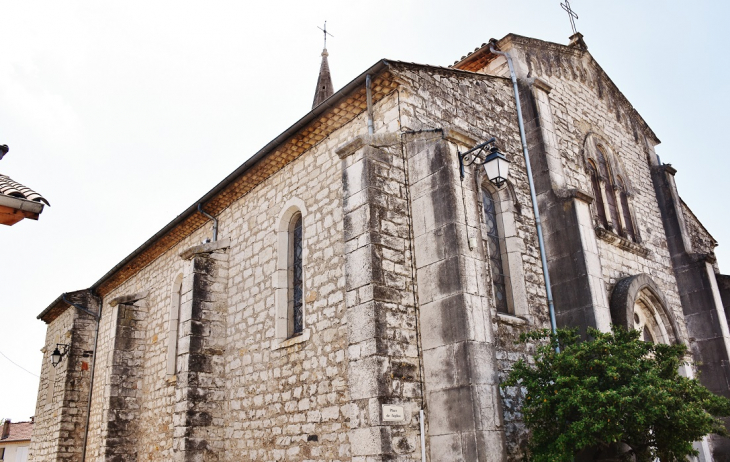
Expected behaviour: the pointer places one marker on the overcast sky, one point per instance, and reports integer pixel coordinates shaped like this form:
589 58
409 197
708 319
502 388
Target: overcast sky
122 114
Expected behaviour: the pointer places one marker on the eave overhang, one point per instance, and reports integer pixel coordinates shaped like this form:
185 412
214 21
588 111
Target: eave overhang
14 209
332 114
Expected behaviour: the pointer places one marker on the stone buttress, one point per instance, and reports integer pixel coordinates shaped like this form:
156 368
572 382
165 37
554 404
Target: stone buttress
701 297
63 394
463 404
461 394
122 400
383 348
199 413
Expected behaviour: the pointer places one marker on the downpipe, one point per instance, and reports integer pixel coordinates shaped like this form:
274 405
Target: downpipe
215 222
369 97
538 223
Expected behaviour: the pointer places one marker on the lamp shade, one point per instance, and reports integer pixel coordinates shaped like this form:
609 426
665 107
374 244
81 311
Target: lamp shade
496 166
56 357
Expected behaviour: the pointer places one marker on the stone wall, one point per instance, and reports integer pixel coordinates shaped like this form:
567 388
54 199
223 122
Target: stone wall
702 241
252 399
383 342
584 102
398 300
46 429
63 391
481 107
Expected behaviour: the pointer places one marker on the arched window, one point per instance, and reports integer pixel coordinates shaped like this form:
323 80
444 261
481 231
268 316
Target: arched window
648 321
174 325
295 277
638 303
628 222
600 208
610 193
494 252
290 278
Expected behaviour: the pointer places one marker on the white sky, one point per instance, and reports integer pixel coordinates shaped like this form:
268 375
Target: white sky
122 114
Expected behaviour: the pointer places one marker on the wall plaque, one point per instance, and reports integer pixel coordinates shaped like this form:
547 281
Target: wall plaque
393 413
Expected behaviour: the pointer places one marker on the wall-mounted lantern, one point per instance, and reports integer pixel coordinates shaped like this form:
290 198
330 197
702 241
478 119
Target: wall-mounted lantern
496 165
58 354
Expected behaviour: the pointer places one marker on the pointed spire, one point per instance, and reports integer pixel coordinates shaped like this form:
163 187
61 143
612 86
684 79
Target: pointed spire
324 82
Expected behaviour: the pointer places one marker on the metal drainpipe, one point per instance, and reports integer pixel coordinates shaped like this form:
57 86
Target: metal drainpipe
215 222
538 223
369 97
97 318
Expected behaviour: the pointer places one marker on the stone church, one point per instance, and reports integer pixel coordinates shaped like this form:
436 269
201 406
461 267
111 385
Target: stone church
347 295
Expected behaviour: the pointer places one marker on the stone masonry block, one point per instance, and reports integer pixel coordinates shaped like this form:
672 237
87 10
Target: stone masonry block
366 377
455 410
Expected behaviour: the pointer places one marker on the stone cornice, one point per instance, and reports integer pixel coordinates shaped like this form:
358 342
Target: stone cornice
208 247
621 242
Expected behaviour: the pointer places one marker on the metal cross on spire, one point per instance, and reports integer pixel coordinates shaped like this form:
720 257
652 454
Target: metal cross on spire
571 14
327 33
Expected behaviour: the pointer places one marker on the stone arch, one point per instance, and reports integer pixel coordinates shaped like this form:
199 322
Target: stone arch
641 290
594 141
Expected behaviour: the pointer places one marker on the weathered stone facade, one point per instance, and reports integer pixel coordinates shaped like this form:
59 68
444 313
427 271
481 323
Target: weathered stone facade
196 359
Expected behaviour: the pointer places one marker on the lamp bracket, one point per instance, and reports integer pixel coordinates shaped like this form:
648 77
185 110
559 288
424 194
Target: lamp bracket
60 351
475 155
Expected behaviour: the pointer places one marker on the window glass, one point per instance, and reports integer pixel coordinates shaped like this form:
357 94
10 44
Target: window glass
610 193
296 276
630 232
600 208
494 252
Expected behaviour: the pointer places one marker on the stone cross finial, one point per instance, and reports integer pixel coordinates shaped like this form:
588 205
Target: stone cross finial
571 14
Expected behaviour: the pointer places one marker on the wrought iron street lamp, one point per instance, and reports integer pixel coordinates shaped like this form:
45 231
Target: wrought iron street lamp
496 165
58 354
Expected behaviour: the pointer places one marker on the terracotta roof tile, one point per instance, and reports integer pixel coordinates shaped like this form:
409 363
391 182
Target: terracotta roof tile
11 188
19 431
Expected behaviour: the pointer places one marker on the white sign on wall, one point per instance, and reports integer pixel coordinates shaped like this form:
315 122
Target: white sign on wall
393 413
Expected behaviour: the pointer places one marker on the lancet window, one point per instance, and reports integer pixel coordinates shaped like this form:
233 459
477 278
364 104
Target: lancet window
610 191
596 184
290 279
174 325
494 252
296 296
612 205
626 211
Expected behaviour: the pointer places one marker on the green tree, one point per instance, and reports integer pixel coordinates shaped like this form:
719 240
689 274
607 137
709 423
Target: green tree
612 392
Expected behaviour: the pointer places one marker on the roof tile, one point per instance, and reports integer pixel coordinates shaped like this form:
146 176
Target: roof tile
19 431
8 187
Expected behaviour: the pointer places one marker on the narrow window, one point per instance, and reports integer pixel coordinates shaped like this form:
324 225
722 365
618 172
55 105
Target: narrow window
600 208
174 327
630 232
494 252
610 193
295 277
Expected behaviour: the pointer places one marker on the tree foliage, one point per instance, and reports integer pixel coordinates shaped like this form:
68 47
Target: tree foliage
610 390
